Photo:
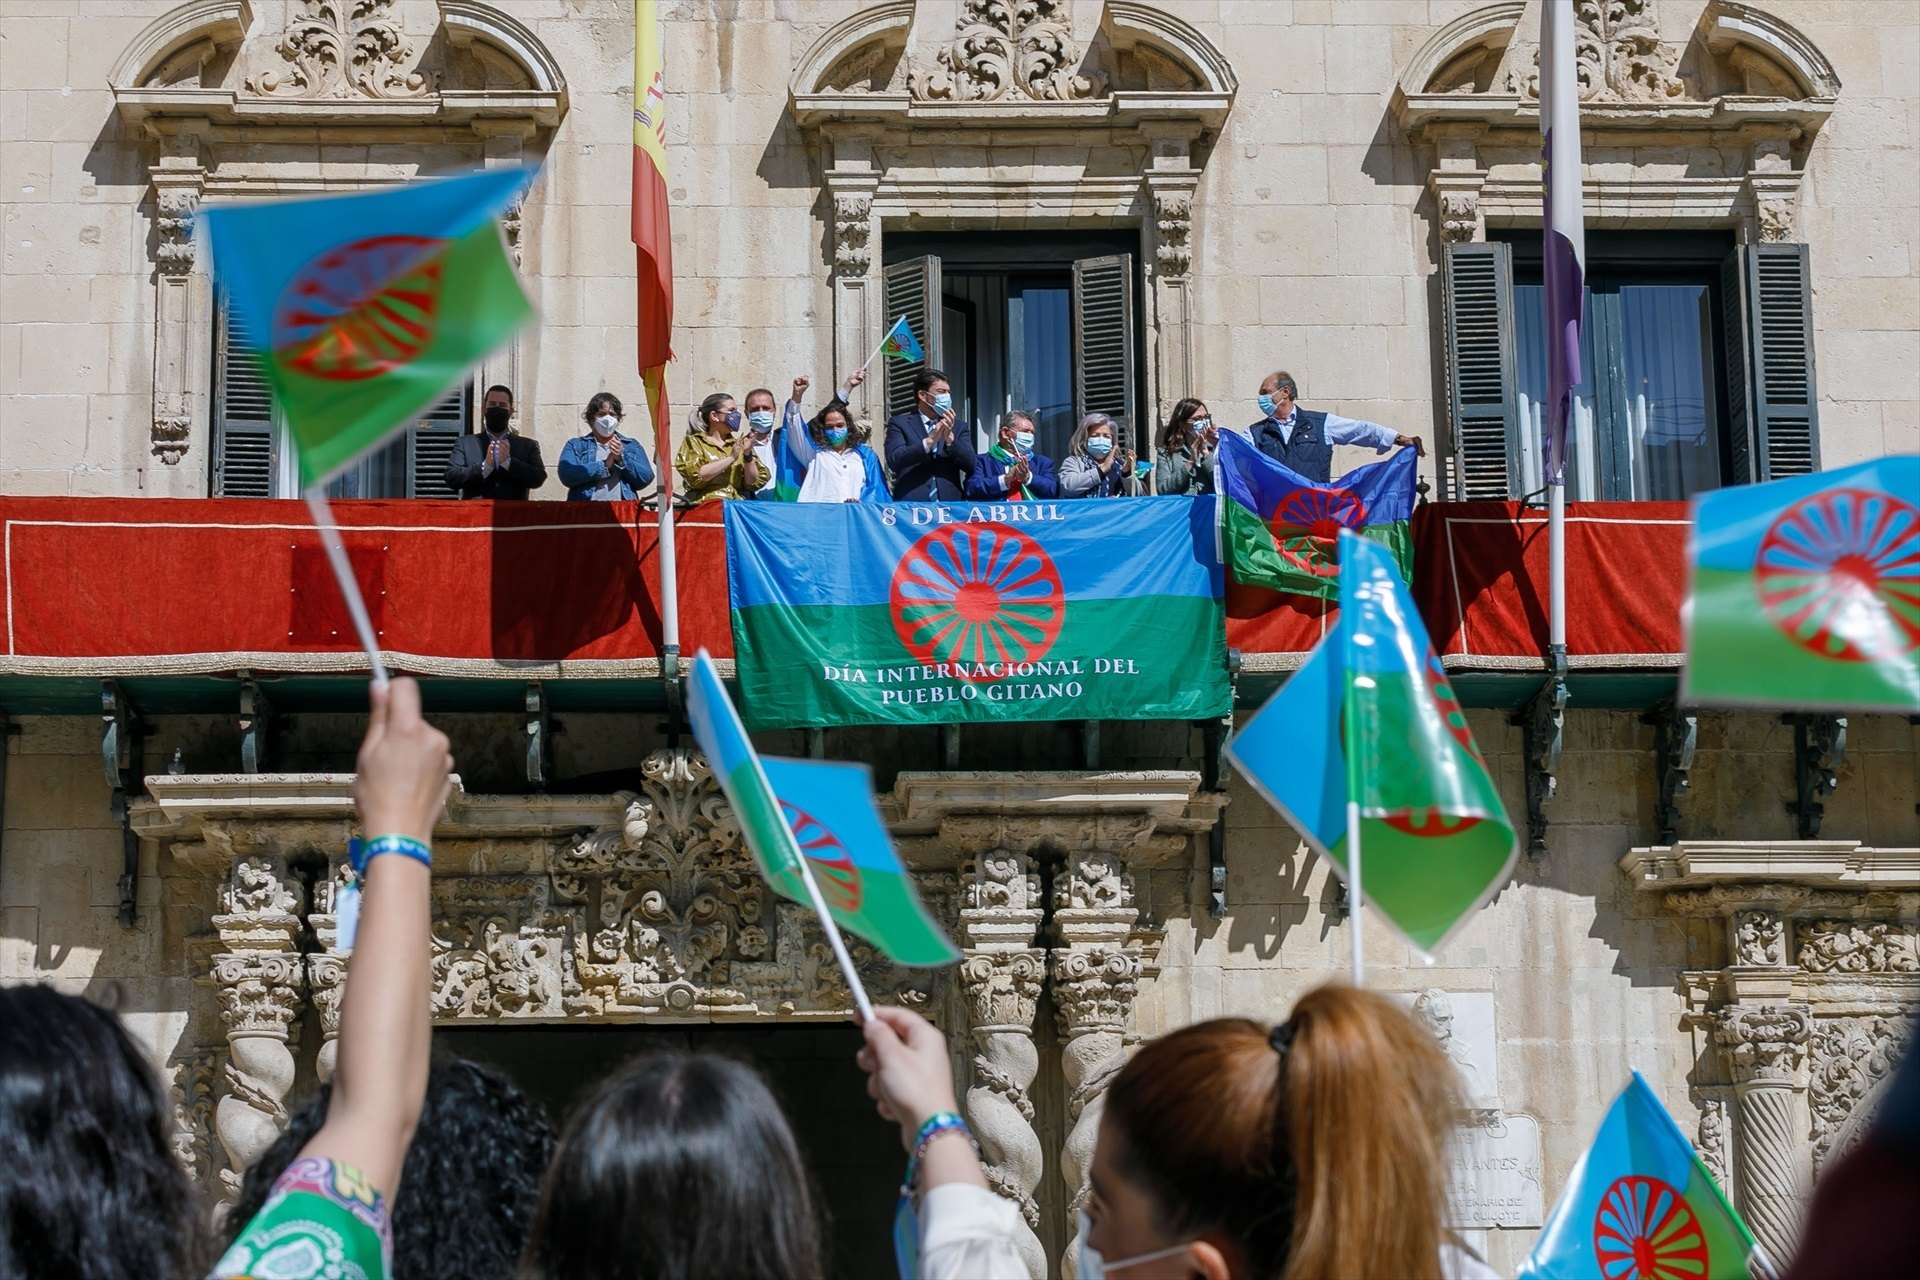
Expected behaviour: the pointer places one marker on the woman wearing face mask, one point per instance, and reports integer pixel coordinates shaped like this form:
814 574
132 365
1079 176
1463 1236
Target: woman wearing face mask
1012 469
717 461
603 465
1184 454
831 451
1097 465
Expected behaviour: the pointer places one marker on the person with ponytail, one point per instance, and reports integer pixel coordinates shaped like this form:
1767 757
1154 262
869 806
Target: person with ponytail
1314 1150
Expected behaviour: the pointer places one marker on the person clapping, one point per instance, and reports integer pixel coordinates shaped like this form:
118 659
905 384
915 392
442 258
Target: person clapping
1013 468
1098 464
603 465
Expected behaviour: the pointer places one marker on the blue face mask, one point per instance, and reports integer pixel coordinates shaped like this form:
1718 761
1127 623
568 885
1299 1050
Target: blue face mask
1267 405
942 403
1099 446
836 436
733 419
1023 441
761 420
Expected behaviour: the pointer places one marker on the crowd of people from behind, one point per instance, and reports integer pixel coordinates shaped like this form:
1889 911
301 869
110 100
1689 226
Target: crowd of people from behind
1314 1148
737 450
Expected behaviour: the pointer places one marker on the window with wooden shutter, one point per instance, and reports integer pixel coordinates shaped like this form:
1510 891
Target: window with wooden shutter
1103 322
1767 293
246 439
913 291
1478 288
431 441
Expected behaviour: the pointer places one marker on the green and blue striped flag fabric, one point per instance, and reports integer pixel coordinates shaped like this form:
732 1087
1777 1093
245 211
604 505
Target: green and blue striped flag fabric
1282 532
820 811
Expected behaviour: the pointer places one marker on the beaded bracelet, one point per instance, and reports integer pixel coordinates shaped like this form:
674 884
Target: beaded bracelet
938 1123
361 852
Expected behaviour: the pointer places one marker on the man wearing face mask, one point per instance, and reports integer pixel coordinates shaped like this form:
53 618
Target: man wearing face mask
496 463
603 465
761 438
1302 440
929 451
1011 469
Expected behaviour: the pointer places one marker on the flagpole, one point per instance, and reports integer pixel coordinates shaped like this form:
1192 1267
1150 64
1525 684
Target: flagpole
1563 257
1355 901
878 348
343 574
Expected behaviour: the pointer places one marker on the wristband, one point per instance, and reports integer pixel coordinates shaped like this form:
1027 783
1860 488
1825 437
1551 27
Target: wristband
938 1123
361 852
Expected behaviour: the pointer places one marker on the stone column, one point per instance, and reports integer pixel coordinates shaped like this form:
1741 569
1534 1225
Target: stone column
1168 366
326 973
1002 975
1095 972
852 176
1765 1046
260 978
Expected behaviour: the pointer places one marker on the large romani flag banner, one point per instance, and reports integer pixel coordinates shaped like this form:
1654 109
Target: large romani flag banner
1641 1203
1806 592
1282 531
365 308
856 613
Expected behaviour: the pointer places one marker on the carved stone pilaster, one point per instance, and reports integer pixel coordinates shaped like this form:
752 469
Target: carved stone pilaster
852 233
1759 938
1001 977
1173 226
260 979
193 1081
1712 1142
1765 1047
1094 977
182 303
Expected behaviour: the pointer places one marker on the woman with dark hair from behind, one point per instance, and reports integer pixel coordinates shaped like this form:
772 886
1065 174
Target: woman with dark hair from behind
89 1187
1183 455
469 1182
679 1167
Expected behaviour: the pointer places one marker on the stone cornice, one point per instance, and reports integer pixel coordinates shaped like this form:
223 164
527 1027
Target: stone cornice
1833 863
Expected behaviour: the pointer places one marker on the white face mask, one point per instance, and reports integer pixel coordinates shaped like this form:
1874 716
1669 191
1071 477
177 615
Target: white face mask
605 425
1089 1265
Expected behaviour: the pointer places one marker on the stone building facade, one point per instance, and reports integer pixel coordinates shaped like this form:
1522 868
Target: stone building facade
1727 902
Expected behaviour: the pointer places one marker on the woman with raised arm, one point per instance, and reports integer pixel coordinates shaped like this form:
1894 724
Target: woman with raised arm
832 452
329 1207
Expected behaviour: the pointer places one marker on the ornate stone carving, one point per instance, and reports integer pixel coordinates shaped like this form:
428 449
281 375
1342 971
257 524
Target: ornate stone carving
170 432
343 49
1094 881
326 984
1763 1042
1857 946
1008 49
510 224
495 947
260 979
191 1090
852 228
1712 1143
1618 55
1459 216
1173 219
1850 1057
1774 220
1759 938
259 992
256 889
173 222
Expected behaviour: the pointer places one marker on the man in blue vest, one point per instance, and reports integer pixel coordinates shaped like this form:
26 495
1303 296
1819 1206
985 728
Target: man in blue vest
1302 440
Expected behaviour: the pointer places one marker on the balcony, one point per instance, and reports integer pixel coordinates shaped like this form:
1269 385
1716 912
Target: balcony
181 601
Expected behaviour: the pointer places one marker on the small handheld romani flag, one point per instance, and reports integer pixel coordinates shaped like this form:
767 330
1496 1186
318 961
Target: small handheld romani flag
1281 531
824 812
1806 592
1370 717
1641 1206
365 308
900 344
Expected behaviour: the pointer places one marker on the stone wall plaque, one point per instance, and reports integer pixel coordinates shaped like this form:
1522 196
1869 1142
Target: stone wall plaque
1496 1172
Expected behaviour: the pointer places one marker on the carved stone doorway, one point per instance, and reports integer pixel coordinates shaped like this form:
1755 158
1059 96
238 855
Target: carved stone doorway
852 1155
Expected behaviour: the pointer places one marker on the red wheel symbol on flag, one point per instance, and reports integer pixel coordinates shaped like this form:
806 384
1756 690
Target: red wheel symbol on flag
1645 1231
833 867
1450 708
1426 824
1307 528
978 594
1839 575
362 309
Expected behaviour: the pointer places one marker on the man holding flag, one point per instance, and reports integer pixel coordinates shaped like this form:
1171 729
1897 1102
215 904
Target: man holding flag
1302 440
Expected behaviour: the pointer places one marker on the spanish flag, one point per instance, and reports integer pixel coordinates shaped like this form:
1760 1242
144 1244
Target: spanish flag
652 237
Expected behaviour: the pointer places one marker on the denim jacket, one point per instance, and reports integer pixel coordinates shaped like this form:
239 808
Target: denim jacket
581 468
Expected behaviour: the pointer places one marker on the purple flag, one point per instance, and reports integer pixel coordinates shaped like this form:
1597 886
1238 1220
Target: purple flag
1564 250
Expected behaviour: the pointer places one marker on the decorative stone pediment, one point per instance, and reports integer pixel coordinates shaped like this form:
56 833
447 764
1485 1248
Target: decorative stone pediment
336 62
1013 63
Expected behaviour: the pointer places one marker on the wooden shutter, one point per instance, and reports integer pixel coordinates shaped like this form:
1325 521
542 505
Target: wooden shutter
1478 289
430 443
246 453
1103 336
1773 406
913 291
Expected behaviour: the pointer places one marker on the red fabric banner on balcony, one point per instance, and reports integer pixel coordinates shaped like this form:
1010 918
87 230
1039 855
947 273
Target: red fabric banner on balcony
1480 577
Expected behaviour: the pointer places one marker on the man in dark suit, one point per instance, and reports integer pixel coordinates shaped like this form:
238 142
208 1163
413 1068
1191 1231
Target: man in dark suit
929 453
496 463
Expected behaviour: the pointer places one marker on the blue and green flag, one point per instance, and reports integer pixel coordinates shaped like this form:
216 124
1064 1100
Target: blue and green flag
1281 531
948 613
365 308
1641 1206
900 344
1370 717
1806 592
820 811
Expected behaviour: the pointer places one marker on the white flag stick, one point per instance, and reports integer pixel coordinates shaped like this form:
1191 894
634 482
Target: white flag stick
1356 904
882 344
343 573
